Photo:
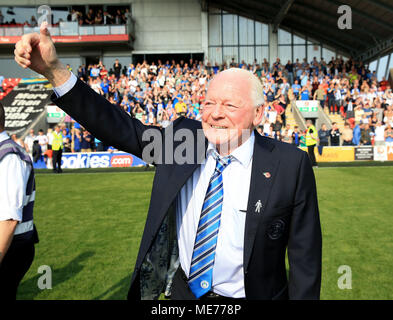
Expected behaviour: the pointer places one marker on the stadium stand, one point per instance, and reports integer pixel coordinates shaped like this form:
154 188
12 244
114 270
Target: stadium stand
346 89
154 93
158 93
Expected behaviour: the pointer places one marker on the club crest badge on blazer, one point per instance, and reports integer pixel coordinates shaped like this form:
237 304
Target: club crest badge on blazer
276 229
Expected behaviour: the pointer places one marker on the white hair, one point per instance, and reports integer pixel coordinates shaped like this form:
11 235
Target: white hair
256 85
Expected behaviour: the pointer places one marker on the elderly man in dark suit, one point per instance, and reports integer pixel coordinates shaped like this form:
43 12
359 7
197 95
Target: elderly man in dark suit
221 218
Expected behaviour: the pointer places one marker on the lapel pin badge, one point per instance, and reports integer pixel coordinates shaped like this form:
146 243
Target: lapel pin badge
267 175
258 206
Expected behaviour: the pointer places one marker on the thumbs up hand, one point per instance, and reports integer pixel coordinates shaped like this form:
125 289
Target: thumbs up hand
37 52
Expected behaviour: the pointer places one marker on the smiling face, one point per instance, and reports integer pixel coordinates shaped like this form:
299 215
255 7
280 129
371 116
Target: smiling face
229 111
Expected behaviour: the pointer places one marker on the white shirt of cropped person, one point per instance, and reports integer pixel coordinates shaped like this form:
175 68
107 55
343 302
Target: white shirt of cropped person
14 174
132 84
266 127
43 141
50 137
228 276
379 132
29 141
272 114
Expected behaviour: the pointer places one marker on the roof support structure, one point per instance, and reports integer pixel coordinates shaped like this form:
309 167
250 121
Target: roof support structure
333 19
204 5
258 8
304 17
234 9
329 41
379 22
387 67
281 14
380 5
311 22
374 51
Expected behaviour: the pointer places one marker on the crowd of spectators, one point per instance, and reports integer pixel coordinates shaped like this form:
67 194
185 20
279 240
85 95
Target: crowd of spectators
100 16
158 93
17 21
96 16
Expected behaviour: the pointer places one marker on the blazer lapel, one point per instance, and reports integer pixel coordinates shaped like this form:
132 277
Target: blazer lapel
180 173
174 181
263 172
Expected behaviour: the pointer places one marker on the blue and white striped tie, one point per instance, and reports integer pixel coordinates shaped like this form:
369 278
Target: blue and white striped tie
201 271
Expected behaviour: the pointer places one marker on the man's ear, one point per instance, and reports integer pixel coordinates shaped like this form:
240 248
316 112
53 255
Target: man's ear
258 115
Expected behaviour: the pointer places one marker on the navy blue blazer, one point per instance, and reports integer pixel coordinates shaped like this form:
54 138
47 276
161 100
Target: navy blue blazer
282 180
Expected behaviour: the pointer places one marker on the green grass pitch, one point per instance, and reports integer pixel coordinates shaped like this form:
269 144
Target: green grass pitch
90 226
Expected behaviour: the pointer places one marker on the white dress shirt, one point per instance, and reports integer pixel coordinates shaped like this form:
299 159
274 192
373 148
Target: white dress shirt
14 174
228 277
43 141
29 141
66 86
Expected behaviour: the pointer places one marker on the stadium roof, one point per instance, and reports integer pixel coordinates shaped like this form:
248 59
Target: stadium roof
372 21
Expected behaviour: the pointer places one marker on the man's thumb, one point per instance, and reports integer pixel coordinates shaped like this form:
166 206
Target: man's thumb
44 32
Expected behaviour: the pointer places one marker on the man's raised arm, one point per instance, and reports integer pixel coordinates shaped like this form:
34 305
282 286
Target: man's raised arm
104 120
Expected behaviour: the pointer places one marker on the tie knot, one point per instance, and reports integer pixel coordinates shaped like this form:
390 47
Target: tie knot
222 162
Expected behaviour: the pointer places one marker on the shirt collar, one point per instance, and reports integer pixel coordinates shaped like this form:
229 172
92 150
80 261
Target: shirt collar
4 136
243 153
